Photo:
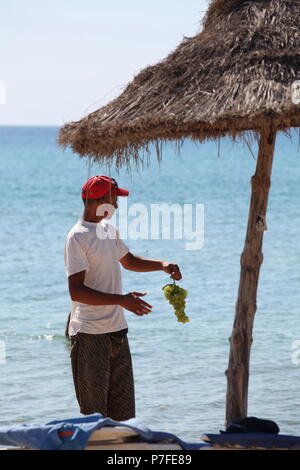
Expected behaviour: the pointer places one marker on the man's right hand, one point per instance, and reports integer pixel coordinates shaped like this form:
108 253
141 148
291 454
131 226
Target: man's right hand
134 304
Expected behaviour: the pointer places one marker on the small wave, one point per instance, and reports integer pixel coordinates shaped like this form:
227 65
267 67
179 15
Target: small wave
47 337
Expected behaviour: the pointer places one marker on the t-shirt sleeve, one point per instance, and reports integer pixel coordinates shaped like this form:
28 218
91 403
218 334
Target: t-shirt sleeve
75 257
121 246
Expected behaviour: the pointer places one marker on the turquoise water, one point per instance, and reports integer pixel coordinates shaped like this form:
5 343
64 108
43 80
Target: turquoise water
179 369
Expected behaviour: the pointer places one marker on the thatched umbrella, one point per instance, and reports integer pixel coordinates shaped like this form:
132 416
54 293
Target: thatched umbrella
236 76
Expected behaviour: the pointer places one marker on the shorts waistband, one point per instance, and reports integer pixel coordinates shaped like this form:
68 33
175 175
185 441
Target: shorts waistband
118 334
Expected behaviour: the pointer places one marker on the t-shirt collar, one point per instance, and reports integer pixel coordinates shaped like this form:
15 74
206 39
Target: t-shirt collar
91 224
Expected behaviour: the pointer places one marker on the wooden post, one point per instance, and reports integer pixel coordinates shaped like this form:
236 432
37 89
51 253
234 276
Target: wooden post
251 260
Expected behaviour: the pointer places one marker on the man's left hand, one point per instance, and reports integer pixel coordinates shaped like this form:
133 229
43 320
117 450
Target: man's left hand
172 269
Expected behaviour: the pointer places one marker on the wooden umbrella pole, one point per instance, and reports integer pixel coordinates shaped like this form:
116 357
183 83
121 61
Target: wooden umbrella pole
251 260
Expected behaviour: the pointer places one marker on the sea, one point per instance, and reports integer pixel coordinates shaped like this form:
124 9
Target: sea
179 369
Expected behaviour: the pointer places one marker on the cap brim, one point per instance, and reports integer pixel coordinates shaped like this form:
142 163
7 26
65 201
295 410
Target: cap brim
120 192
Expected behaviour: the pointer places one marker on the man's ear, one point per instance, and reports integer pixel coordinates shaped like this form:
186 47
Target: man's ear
86 203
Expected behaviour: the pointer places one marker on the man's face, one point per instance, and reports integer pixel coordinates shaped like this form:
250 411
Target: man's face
113 200
107 206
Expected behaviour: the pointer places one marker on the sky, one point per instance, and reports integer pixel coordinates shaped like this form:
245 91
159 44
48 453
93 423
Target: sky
62 59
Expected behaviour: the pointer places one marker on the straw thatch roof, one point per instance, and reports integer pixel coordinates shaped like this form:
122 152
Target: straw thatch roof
228 79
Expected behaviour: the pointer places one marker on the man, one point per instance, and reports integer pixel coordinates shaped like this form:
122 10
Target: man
100 354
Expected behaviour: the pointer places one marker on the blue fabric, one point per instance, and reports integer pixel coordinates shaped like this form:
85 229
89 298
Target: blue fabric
265 440
46 436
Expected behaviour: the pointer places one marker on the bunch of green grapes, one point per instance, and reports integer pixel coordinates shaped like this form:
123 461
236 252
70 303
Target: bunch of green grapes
176 297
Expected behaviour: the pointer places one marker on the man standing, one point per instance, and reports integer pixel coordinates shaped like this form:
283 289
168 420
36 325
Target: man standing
100 354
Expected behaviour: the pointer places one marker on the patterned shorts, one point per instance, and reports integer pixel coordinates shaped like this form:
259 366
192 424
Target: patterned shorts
102 374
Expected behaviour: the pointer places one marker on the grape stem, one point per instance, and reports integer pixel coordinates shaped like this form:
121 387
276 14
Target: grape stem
174 282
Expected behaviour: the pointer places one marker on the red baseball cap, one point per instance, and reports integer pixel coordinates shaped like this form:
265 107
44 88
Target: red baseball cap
98 186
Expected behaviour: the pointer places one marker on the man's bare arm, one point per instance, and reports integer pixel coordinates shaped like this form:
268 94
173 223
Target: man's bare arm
83 294
139 264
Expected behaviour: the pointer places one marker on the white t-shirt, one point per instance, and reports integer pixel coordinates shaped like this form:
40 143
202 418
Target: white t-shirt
90 247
